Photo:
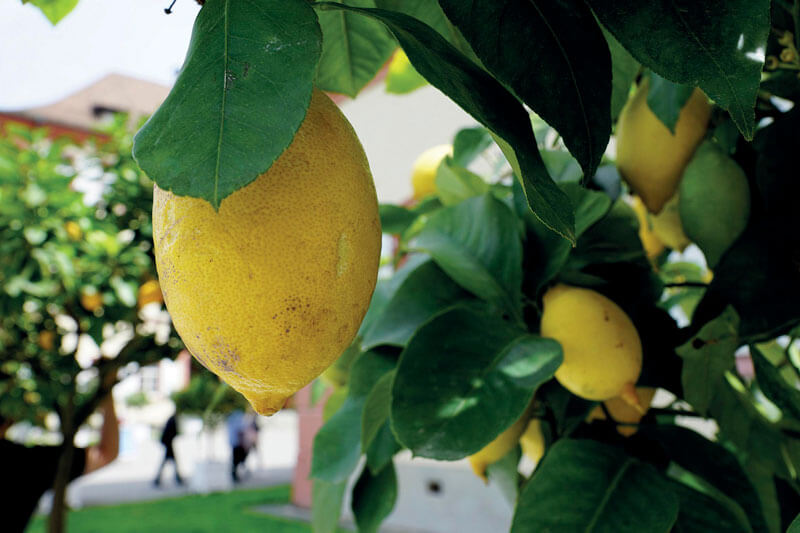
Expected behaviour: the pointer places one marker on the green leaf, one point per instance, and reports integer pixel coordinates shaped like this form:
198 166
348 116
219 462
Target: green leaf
125 290
706 358
424 293
374 496
354 48
326 505
455 184
717 45
54 10
774 387
382 448
584 485
624 69
555 59
700 513
477 244
468 144
395 219
711 462
464 377
206 140
488 102
666 99
377 408
794 527
337 445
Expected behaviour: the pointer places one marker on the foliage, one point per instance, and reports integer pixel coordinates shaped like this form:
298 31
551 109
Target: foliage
206 395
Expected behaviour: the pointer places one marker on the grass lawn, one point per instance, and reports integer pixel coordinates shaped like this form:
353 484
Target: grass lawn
223 511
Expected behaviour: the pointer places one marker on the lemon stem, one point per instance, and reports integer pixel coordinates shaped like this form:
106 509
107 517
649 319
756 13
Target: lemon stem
629 396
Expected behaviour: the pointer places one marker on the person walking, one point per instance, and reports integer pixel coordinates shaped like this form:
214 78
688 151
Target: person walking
167 437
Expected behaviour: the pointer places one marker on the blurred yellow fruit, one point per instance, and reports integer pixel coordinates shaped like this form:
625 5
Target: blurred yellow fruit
423 175
649 157
401 76
499 447
532 440
268 291
73 230
46 340
650 242
623 413
602 349
149 292
91 300
667 226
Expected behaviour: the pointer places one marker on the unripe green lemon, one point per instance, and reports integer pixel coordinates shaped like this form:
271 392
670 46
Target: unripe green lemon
715 201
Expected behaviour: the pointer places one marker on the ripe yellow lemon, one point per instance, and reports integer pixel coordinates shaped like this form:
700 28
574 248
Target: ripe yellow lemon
623 413
149 292
602 349
532 440
668 227
73 230
91 300
423 175
269 291
649 157
401 76
650 242
499 447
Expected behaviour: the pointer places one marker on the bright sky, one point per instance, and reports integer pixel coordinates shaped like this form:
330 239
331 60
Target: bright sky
41 63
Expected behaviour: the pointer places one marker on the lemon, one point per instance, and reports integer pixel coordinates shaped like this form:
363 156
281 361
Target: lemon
401 76
667 225
532 440
149 292
650 242
602 349
91 300
269 291
73 230
46 340
623 413
499 447
715 201
649 157
423 175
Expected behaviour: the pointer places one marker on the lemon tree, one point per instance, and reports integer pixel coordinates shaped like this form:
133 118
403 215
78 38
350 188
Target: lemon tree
621 131
70 276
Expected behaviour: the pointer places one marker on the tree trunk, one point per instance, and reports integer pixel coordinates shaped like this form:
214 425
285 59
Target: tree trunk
58 513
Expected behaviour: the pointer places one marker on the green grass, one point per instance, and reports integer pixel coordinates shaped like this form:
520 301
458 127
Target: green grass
224 511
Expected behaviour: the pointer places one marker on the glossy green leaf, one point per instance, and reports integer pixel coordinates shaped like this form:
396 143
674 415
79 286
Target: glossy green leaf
666 99
488 102
382 448
468 144
326 505
426 292
707 357
454 184
377 408
584 485
553 56
337 445
395 219
700 513
374 496
711 462
717 45
241 95
774 387
794 527
624 69
477 244
354 48
464 377
54 10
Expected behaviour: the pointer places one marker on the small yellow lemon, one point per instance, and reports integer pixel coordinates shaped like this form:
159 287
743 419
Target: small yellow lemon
149 292
668 227
623 413
401 76
268 291
649 157
73 230
499 447
532 440
46 340
602 349
423 175
650 242
91 300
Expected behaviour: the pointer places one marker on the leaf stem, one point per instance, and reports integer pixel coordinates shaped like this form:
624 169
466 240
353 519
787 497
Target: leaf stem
698 284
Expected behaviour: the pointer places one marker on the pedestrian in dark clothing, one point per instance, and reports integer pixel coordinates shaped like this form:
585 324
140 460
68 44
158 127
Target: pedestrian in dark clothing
167 436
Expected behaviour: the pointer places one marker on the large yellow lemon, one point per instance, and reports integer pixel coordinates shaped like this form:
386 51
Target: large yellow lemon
623 413
423 174
602 349
499 447
649 157
269 291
